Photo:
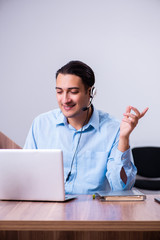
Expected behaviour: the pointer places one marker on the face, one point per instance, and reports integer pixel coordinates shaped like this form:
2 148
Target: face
71 95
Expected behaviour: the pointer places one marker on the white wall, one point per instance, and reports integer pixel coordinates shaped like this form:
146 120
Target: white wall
120 40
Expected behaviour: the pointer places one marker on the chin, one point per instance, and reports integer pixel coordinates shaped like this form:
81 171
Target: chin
67 114
70 114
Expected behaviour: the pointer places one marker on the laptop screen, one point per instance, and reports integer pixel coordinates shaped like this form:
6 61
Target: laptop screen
35 175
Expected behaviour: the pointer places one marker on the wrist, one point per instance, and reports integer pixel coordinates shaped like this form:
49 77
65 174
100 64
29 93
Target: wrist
123 143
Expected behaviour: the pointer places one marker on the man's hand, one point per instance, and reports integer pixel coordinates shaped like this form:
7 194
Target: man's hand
129 122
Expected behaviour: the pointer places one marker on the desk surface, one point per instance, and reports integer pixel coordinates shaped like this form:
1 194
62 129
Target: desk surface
83 213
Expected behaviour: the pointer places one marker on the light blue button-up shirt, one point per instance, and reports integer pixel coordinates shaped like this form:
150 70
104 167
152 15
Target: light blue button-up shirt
98 161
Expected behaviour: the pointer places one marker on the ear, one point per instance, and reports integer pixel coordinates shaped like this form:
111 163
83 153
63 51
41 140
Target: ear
90 91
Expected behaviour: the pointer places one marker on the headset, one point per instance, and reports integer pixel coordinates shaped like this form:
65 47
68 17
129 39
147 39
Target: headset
92 94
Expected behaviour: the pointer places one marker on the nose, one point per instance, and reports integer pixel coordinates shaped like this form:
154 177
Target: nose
66 98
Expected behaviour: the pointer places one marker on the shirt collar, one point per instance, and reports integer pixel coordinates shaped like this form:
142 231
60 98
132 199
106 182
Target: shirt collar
61 119
94 120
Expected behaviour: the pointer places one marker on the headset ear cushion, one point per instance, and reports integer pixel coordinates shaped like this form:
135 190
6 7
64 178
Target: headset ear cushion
93 91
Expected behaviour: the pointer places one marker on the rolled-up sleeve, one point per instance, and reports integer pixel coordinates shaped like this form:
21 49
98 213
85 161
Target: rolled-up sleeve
116 161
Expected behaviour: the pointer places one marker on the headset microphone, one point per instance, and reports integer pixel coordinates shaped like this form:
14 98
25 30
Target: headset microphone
85 108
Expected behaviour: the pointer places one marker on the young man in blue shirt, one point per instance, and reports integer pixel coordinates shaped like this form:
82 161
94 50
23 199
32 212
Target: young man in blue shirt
95 146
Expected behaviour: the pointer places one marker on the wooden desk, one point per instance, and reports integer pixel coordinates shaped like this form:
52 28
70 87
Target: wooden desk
82 218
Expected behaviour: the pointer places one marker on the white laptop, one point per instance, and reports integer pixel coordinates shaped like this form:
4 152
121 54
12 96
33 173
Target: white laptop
34 175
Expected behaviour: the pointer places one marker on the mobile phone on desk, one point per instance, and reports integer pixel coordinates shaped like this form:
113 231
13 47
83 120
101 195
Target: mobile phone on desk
157 199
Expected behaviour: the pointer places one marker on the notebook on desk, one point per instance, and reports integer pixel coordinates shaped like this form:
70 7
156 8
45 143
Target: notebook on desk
125 195
32 175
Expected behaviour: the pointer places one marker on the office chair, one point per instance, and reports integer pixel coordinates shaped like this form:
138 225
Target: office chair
147 161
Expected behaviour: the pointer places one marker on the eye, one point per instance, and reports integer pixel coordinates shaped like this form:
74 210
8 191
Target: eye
74 92
59 91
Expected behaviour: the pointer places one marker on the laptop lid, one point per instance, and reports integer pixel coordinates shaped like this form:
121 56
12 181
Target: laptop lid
35 175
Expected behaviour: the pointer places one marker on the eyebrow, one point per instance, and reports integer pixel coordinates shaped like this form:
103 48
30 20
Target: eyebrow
68 88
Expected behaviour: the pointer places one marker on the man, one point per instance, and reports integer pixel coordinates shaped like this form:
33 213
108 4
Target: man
95 146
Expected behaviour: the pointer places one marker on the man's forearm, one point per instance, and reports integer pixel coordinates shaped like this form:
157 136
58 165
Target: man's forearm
123 144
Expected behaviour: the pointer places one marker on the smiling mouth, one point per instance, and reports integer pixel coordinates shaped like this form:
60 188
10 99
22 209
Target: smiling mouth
67 108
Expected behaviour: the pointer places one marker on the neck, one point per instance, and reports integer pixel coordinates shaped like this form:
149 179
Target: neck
79 122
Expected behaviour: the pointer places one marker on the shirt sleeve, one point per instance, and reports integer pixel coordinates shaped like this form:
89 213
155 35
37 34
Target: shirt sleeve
116 161
30 142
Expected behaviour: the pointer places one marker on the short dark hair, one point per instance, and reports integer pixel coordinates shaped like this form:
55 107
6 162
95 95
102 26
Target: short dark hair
79 69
